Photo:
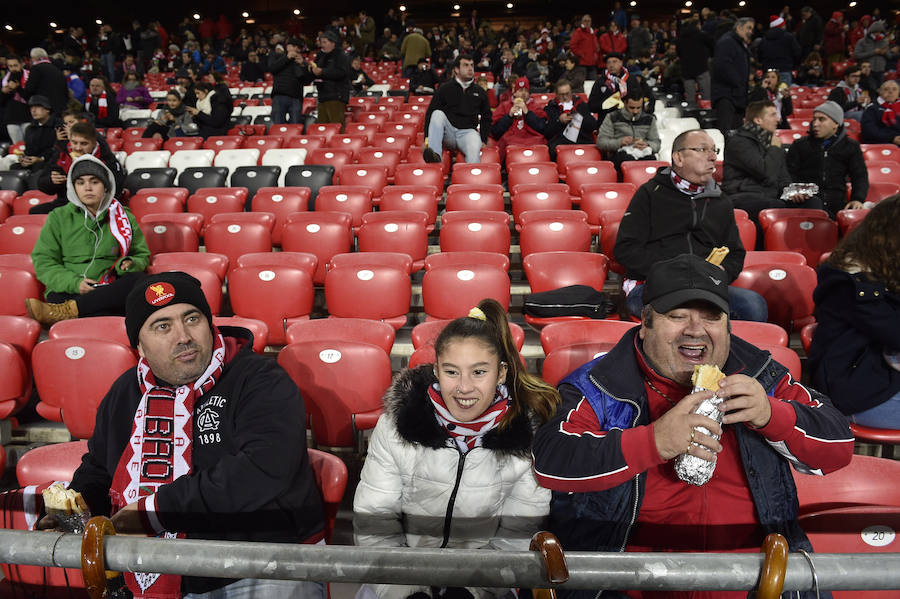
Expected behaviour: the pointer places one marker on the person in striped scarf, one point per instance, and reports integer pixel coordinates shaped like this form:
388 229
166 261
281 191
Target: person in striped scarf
449 461
101 103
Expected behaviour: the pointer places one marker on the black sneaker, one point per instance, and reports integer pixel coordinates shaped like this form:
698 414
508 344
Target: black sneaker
430 155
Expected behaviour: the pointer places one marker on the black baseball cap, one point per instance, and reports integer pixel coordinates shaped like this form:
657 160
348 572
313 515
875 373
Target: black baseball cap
685 278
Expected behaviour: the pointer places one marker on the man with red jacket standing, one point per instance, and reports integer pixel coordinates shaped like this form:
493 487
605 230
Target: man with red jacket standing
613 41
585 46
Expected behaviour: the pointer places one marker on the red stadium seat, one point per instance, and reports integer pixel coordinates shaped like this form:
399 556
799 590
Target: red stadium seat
553 230
223 142
286 130
535 196
401 231
866 481
373 176
392 141
354 141
462 259
355 200
850 219
168 235
487 155
580 173
535 172
640 171
810 236
108 328
475 230
213 200
299 260
257 328
339 380
553 270
880 152
28 200
759 333
359 260
157 199
599 197
474 196
143 144
18 237
560 362
786 357
323 234
15 379
575 152
389 157
56 462
282 202
806 336
426 333
331 478
423 355
528 154
233 240
387 290
263 143
304 142
450 292
482 174
883 171
18 285
411 197
770 215
274 294
746 229
419 175
787 289
175 144
59 367
608 233
267 219
772 257
329 130
133 133
575 332
363 330
879 191
887 438
336 157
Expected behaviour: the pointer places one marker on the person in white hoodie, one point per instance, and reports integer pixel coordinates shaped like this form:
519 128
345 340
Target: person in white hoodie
90 252
449 462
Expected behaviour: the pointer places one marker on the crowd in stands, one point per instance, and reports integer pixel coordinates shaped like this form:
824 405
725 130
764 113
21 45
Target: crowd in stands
725 119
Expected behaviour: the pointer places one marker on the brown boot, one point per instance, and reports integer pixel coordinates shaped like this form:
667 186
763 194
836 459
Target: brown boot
47 314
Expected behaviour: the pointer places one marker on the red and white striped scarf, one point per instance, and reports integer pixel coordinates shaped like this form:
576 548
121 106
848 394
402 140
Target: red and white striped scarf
121 230
619 82
891 110
160 451
102 105
469 435
686 186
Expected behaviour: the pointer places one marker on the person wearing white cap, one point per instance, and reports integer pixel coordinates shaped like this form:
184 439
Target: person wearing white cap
829 158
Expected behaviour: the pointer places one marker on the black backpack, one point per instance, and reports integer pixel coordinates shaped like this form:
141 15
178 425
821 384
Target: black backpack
574 300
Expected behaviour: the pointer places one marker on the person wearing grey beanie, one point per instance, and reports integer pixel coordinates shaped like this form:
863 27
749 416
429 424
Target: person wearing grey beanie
830 159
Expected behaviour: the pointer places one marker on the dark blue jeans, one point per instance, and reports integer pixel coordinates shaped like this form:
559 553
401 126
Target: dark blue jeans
745 304
286 105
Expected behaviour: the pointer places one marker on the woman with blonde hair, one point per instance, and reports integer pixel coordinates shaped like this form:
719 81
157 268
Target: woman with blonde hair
449 463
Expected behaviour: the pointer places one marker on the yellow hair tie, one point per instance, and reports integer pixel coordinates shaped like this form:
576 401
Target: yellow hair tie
477 314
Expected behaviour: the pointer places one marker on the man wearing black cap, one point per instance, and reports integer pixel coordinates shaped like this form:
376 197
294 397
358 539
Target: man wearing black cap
610 88
290 75
332 76
609 454
202 439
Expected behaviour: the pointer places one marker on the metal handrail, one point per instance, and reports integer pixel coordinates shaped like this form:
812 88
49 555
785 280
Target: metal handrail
450 567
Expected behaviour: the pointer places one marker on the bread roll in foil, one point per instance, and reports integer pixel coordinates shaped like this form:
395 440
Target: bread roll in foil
690 468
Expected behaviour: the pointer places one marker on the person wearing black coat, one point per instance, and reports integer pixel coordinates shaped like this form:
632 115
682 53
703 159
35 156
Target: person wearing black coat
252 69
779 50
290 73
562 112
731 75
332 72
811 32
44 79
829 158
694 49
855 352
213 109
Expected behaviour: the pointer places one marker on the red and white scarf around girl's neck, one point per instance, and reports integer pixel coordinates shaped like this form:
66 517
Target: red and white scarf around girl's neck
160 451
102 105
469 435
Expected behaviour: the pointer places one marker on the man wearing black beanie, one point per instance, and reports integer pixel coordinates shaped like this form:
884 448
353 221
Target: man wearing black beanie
202 439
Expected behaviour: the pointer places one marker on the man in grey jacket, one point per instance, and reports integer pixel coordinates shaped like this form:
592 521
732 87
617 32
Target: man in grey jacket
629 133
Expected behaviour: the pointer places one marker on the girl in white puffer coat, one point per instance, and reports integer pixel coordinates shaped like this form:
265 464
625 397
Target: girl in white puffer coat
449 463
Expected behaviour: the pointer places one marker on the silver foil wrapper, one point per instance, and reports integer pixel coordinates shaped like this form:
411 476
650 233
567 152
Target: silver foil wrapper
790 192
72 523
692 469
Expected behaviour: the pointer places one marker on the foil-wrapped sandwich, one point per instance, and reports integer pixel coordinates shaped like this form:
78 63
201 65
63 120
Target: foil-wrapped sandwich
799 191
692 469
67 506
